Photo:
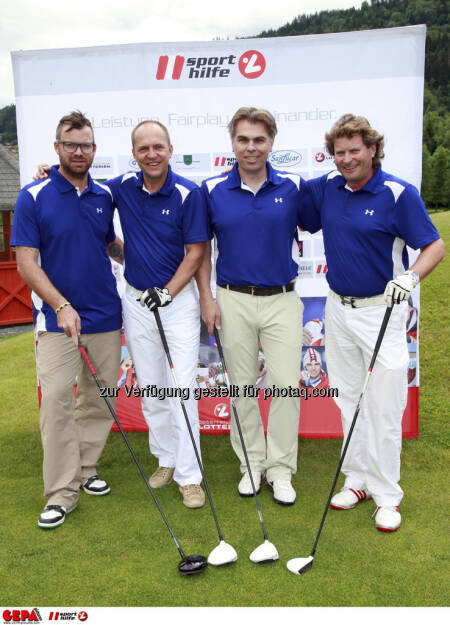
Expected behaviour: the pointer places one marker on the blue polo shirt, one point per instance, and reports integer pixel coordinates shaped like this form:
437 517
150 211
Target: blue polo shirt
71 232
365 232
157 226
256 232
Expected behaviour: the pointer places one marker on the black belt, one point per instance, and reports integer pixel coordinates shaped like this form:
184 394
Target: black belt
254 290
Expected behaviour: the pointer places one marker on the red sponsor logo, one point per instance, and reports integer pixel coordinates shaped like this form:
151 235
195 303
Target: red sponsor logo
322 268
320 157
169 67
224 161
252 64
82 616
221 411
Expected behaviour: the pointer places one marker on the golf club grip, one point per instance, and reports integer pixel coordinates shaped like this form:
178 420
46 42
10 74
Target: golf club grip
219 346
162 335
86 359
381 333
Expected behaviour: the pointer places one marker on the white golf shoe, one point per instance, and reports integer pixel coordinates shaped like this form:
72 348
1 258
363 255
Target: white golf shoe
283 492
245 486
348 498
53 516
387 518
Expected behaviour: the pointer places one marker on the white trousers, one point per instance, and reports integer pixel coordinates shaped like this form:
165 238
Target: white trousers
169 438
372 461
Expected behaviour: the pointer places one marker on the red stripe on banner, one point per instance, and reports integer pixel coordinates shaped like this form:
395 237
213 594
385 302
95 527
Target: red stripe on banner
162 67
178 66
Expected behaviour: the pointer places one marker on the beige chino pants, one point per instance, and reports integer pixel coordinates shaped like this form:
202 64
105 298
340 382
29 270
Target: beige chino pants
276 321
73 436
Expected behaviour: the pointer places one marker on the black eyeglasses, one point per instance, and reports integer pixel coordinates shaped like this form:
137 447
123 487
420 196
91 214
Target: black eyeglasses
71 147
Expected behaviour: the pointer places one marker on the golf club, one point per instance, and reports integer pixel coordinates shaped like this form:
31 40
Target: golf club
299 566
224 553
189 564
267 551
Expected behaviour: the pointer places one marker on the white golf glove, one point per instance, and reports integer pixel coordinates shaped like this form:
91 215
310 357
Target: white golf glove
400 288
155 298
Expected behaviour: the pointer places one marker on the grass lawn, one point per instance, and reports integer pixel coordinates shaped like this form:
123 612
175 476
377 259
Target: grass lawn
115 551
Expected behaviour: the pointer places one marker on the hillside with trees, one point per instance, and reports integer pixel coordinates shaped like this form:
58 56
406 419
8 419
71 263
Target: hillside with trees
389 14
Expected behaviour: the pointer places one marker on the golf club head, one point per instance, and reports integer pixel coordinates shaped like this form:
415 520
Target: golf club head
222 554
267 552
192 565
298 566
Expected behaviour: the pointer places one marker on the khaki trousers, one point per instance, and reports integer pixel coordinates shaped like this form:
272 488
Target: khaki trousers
73 436
276 322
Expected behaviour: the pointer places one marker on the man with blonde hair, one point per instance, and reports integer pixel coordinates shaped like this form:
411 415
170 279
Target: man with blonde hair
368 217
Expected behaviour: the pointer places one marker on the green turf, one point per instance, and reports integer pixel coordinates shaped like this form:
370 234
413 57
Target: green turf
115 551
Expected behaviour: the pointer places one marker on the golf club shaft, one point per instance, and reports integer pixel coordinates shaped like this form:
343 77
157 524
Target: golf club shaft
381 333
241 436
183 407
113 413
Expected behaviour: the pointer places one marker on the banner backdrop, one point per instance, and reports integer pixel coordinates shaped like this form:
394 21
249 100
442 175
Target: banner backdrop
307 82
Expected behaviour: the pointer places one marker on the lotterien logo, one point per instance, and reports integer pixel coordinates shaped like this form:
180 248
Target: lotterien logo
99 210
251 64
278 199
165 211
368 212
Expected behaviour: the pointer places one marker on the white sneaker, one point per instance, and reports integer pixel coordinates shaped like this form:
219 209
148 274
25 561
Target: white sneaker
53 516
96 486
348 498
283 493
245 486
387 518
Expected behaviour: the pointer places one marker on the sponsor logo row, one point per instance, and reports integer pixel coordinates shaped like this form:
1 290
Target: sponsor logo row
103 167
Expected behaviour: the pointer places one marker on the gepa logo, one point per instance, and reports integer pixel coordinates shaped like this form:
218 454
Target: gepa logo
22 616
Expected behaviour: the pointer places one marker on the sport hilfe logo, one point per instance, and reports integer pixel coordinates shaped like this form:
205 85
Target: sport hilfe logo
251 64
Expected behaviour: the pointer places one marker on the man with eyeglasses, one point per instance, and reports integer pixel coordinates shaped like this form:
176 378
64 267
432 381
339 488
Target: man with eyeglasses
62 232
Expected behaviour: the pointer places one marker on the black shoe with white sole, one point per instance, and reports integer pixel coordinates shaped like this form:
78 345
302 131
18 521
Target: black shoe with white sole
96 486
53 516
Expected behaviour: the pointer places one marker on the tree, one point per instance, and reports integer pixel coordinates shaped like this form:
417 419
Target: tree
8 132
427 169
440 162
